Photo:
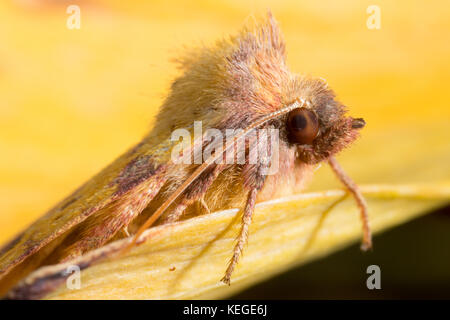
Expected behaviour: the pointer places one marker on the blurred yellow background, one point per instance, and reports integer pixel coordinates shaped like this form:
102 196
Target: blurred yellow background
71 101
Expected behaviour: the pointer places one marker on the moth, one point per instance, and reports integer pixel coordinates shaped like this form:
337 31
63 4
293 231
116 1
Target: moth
242 82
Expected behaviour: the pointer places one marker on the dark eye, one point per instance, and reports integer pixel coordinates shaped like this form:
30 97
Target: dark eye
303 126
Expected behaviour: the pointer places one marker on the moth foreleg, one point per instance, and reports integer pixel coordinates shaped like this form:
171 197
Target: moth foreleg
243 234
254 176
360 201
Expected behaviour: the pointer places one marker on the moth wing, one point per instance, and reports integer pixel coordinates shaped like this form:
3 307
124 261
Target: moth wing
142 163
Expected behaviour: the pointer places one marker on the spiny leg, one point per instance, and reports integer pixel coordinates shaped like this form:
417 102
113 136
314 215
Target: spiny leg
176 214
243 235
360 201
195 192
204 205
253 177
125 231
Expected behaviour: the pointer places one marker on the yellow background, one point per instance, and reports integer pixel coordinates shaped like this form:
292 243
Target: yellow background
73 100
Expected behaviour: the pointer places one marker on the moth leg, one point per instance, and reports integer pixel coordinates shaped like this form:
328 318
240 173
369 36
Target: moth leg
254 176
125 231
253 179
204 205
360 201
243 235
195 192
176 214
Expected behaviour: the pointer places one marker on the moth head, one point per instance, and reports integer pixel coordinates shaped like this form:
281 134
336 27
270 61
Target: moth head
320 128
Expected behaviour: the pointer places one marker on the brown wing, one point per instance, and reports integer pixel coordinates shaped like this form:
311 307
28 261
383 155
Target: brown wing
142 163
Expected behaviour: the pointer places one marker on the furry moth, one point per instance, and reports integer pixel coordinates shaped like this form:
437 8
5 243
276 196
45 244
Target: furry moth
239 83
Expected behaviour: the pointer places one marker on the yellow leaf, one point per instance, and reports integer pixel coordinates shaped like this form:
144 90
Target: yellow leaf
186 260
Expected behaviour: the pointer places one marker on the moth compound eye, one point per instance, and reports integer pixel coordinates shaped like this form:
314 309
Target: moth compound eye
303 126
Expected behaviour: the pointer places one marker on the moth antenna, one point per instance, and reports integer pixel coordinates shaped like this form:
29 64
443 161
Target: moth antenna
152 219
